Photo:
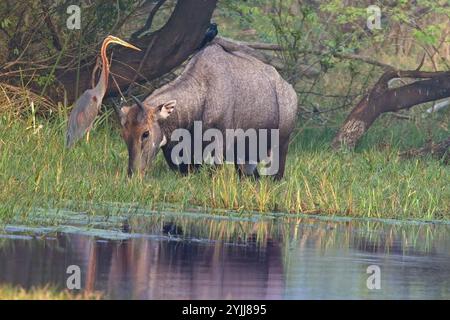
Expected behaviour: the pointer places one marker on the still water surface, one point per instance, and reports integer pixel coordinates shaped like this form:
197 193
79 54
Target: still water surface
177 257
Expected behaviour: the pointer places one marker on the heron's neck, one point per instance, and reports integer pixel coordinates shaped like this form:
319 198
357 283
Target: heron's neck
103 81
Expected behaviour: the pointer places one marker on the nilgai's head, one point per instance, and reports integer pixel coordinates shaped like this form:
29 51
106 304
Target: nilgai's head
141 131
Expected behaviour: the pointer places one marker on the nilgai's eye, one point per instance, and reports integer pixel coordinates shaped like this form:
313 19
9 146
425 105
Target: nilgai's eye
145 135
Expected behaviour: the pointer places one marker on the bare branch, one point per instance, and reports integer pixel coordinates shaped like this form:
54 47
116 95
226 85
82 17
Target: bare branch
50 25
276 47
149 22
250 49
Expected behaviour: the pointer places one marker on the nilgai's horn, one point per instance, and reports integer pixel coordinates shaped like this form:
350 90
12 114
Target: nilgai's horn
118 109
139 103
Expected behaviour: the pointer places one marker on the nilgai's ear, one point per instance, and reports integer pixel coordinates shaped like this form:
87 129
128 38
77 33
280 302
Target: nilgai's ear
164 110
123 115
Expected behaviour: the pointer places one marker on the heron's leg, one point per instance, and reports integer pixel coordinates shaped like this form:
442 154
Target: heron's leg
88 132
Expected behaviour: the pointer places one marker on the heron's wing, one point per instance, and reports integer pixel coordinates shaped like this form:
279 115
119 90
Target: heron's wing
82 116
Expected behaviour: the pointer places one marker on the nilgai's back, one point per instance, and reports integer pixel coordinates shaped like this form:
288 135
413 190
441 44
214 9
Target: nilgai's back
255 91
237 91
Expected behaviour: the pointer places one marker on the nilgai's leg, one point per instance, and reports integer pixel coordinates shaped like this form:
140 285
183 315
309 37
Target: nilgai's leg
247 169
183 167
238 169
245 163
282 160
256 173
167 151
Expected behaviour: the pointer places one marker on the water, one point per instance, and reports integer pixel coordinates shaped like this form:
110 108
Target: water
197 257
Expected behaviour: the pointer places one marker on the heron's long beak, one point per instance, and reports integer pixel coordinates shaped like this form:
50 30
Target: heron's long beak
112 39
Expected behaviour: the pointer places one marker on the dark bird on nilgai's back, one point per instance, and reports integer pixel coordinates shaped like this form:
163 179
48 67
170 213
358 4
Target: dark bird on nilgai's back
210 34
88 104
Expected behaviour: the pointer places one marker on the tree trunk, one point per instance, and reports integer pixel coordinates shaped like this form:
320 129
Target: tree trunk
162 51
383 99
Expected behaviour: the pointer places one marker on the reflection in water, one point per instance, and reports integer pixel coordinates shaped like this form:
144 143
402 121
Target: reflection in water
148 269
207 258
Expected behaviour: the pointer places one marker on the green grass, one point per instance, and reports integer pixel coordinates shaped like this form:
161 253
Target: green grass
37 171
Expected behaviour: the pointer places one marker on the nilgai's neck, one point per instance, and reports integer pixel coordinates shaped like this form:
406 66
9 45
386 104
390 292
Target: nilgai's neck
190 95
103 81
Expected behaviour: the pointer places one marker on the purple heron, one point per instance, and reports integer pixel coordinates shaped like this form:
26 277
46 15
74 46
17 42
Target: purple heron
88 104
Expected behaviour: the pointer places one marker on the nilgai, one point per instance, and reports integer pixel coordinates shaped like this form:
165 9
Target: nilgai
221 90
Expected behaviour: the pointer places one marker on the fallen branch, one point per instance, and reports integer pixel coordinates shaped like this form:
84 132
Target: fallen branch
148 24
440 150
383 99
401 116
439 106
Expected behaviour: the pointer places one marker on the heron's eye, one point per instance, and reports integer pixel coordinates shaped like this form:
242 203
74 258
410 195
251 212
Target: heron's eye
145 135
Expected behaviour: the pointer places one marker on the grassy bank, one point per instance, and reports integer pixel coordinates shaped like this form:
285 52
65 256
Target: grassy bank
373 181
45 293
